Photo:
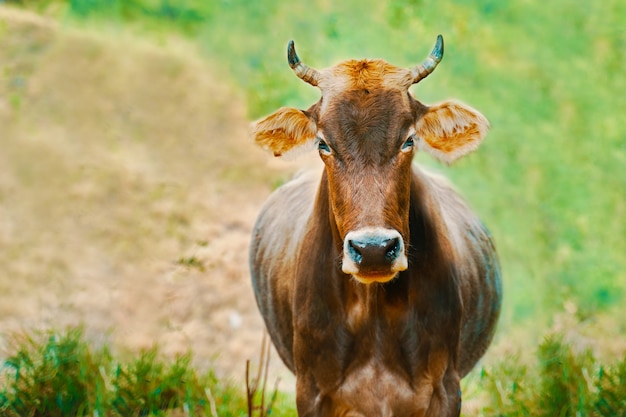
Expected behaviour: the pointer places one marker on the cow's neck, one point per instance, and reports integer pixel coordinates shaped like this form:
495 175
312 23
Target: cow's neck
427 261
352 325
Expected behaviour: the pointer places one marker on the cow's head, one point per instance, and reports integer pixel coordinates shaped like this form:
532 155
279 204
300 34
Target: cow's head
367 128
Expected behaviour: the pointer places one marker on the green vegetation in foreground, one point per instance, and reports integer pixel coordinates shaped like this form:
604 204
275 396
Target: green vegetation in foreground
563 384
60 374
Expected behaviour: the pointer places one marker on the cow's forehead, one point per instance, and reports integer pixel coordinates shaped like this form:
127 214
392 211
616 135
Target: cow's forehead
366 74
342 81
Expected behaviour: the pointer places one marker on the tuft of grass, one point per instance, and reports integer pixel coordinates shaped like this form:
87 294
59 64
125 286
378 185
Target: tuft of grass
506 386
149 384
62 374
611 383
564 384
563 379
191 262
54 375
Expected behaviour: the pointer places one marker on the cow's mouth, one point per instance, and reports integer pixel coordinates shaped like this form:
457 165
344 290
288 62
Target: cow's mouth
375 277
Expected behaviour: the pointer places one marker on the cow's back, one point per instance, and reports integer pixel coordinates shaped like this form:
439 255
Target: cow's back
276 244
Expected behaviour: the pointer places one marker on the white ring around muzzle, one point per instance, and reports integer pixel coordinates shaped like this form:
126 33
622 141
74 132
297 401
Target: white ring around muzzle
377 235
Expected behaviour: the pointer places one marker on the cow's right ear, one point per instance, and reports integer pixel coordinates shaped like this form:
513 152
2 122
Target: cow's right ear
287 131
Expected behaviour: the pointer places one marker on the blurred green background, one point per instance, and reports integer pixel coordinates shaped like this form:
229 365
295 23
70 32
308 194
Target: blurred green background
550 180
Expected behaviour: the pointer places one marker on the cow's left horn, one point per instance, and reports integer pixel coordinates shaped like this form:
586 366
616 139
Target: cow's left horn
422 70
308 74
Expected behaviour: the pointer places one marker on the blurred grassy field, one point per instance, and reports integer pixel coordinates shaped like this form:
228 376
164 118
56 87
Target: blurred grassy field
550 181
128 188
119 133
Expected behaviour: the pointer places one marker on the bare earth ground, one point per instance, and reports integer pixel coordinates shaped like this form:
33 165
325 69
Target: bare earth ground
128 191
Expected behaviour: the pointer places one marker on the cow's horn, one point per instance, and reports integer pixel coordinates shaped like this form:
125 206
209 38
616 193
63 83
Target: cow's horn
422 70
308 74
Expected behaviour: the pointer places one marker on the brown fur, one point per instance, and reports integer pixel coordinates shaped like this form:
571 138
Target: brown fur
368 74
451 130
284 130
393 349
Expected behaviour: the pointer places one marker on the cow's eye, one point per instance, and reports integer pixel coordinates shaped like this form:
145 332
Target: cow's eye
323 147
409 143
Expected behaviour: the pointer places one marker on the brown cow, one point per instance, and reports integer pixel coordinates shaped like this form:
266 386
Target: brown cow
378 285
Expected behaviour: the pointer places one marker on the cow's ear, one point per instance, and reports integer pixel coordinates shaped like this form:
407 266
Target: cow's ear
450 130
285 132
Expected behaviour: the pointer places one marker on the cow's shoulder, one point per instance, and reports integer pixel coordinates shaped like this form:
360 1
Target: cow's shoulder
281 224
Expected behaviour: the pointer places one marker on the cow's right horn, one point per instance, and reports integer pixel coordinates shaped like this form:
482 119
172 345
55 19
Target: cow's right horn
306 73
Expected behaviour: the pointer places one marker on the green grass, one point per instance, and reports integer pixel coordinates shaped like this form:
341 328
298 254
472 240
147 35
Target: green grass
59 374
561 383
62 374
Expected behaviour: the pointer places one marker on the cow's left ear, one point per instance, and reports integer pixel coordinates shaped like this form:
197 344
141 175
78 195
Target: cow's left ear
450 130
286 131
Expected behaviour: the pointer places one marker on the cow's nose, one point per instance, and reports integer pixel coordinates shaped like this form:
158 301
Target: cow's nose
373 254
374 251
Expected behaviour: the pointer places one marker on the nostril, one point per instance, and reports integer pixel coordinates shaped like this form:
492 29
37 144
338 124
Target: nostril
355 253
392 248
